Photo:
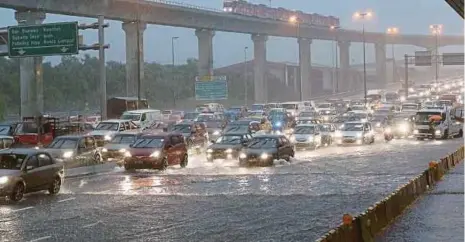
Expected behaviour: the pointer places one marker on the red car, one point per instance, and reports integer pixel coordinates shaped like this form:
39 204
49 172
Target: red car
156 151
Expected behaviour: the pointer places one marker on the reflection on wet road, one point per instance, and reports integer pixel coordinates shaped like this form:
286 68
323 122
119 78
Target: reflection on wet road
220 201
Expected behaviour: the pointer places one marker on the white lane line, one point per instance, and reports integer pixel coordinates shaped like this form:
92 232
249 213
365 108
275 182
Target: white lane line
68 199
41 238
21 209
91 225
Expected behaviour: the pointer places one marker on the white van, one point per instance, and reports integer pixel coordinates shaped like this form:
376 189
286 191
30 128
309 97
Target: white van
143 117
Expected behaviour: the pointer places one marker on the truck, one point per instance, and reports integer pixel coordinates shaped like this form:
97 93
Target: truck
118 105
447 126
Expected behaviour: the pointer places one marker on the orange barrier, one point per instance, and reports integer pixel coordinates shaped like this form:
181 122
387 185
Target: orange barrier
365 226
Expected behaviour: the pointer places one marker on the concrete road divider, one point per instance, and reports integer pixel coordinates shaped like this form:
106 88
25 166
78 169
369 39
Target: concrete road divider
376 218
90 170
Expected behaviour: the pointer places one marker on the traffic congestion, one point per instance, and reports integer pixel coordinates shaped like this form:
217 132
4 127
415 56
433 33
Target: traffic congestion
255 136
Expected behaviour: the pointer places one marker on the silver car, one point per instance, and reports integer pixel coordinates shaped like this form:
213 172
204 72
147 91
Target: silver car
306 136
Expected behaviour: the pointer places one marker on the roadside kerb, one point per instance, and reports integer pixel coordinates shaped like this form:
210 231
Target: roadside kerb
375 219
90 170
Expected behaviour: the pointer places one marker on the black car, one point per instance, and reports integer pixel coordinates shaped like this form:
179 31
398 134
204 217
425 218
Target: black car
227 146
263 149
242 126
28 170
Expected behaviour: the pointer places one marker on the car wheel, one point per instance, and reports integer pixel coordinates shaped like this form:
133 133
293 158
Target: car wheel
184 161
164 164
55 186
446 134
98 158
18 192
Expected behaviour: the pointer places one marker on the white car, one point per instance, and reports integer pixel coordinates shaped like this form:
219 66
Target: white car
360 132
306 136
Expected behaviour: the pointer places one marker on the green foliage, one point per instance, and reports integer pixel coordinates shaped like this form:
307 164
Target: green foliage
72 83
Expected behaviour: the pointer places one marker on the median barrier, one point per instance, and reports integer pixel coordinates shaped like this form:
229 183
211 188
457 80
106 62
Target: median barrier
376 218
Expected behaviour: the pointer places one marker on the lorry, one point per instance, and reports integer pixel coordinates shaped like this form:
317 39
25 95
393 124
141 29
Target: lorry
448 125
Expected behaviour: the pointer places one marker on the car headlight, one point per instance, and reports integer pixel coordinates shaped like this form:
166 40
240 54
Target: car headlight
264 156
278 132
4 179
292 139
388 130
107 137
104 150
338 134
310 138
216 132
359 135
127 154
378 124
229 151
278 124
402 99
242 156
437 132
415 131
122 150
67 154
155 154
209 150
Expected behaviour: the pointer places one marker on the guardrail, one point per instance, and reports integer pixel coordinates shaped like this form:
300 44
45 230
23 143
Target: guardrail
365 226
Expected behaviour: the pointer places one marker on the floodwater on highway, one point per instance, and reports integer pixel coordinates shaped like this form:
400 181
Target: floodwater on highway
296 201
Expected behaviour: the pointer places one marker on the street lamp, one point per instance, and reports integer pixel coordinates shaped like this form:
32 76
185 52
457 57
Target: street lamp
392 32
296 20
336 63
245 75
172 50
364 16
436 30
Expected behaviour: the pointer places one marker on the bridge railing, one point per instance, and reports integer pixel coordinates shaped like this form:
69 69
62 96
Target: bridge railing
187 5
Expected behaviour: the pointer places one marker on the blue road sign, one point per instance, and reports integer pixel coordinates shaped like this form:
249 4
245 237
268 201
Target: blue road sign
211 88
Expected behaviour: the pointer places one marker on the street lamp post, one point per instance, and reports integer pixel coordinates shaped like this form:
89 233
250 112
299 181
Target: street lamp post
436 30
364 16
336 63
393 31
296 20
246 96
172 68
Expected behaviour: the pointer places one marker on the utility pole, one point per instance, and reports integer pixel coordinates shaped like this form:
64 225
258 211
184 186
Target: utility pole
246 96
103 73
406 76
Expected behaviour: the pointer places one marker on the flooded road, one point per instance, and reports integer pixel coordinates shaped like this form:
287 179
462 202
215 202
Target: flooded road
221 201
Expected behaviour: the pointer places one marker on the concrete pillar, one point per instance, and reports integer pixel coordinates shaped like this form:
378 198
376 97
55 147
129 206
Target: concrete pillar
205 42
434 62
30 68
260 85
380 56
132 53
305 62
344 58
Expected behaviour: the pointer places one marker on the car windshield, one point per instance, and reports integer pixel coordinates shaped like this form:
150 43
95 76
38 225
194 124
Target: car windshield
4 130
107 126
327 112
182 128
257 107
325 128
263 142
256 113
229 139
237 128
205 118
324 105
149 143
289 106
123 139
304 130
63 143
131 116
352 127
410 106
306 114
26 128
235 109
425 117
166 112
11 161
191 115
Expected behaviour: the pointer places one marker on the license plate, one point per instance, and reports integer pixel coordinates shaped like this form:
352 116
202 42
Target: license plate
139 162
253 160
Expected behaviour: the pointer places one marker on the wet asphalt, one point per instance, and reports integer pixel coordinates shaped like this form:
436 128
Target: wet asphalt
296 201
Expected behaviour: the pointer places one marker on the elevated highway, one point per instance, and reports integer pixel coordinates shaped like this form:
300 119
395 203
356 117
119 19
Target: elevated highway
162 13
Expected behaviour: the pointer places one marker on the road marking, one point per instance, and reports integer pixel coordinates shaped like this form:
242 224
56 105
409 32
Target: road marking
91 225
21 209
68 199
41 238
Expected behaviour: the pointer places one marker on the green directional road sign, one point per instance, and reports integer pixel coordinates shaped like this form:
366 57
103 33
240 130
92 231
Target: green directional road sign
43 40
